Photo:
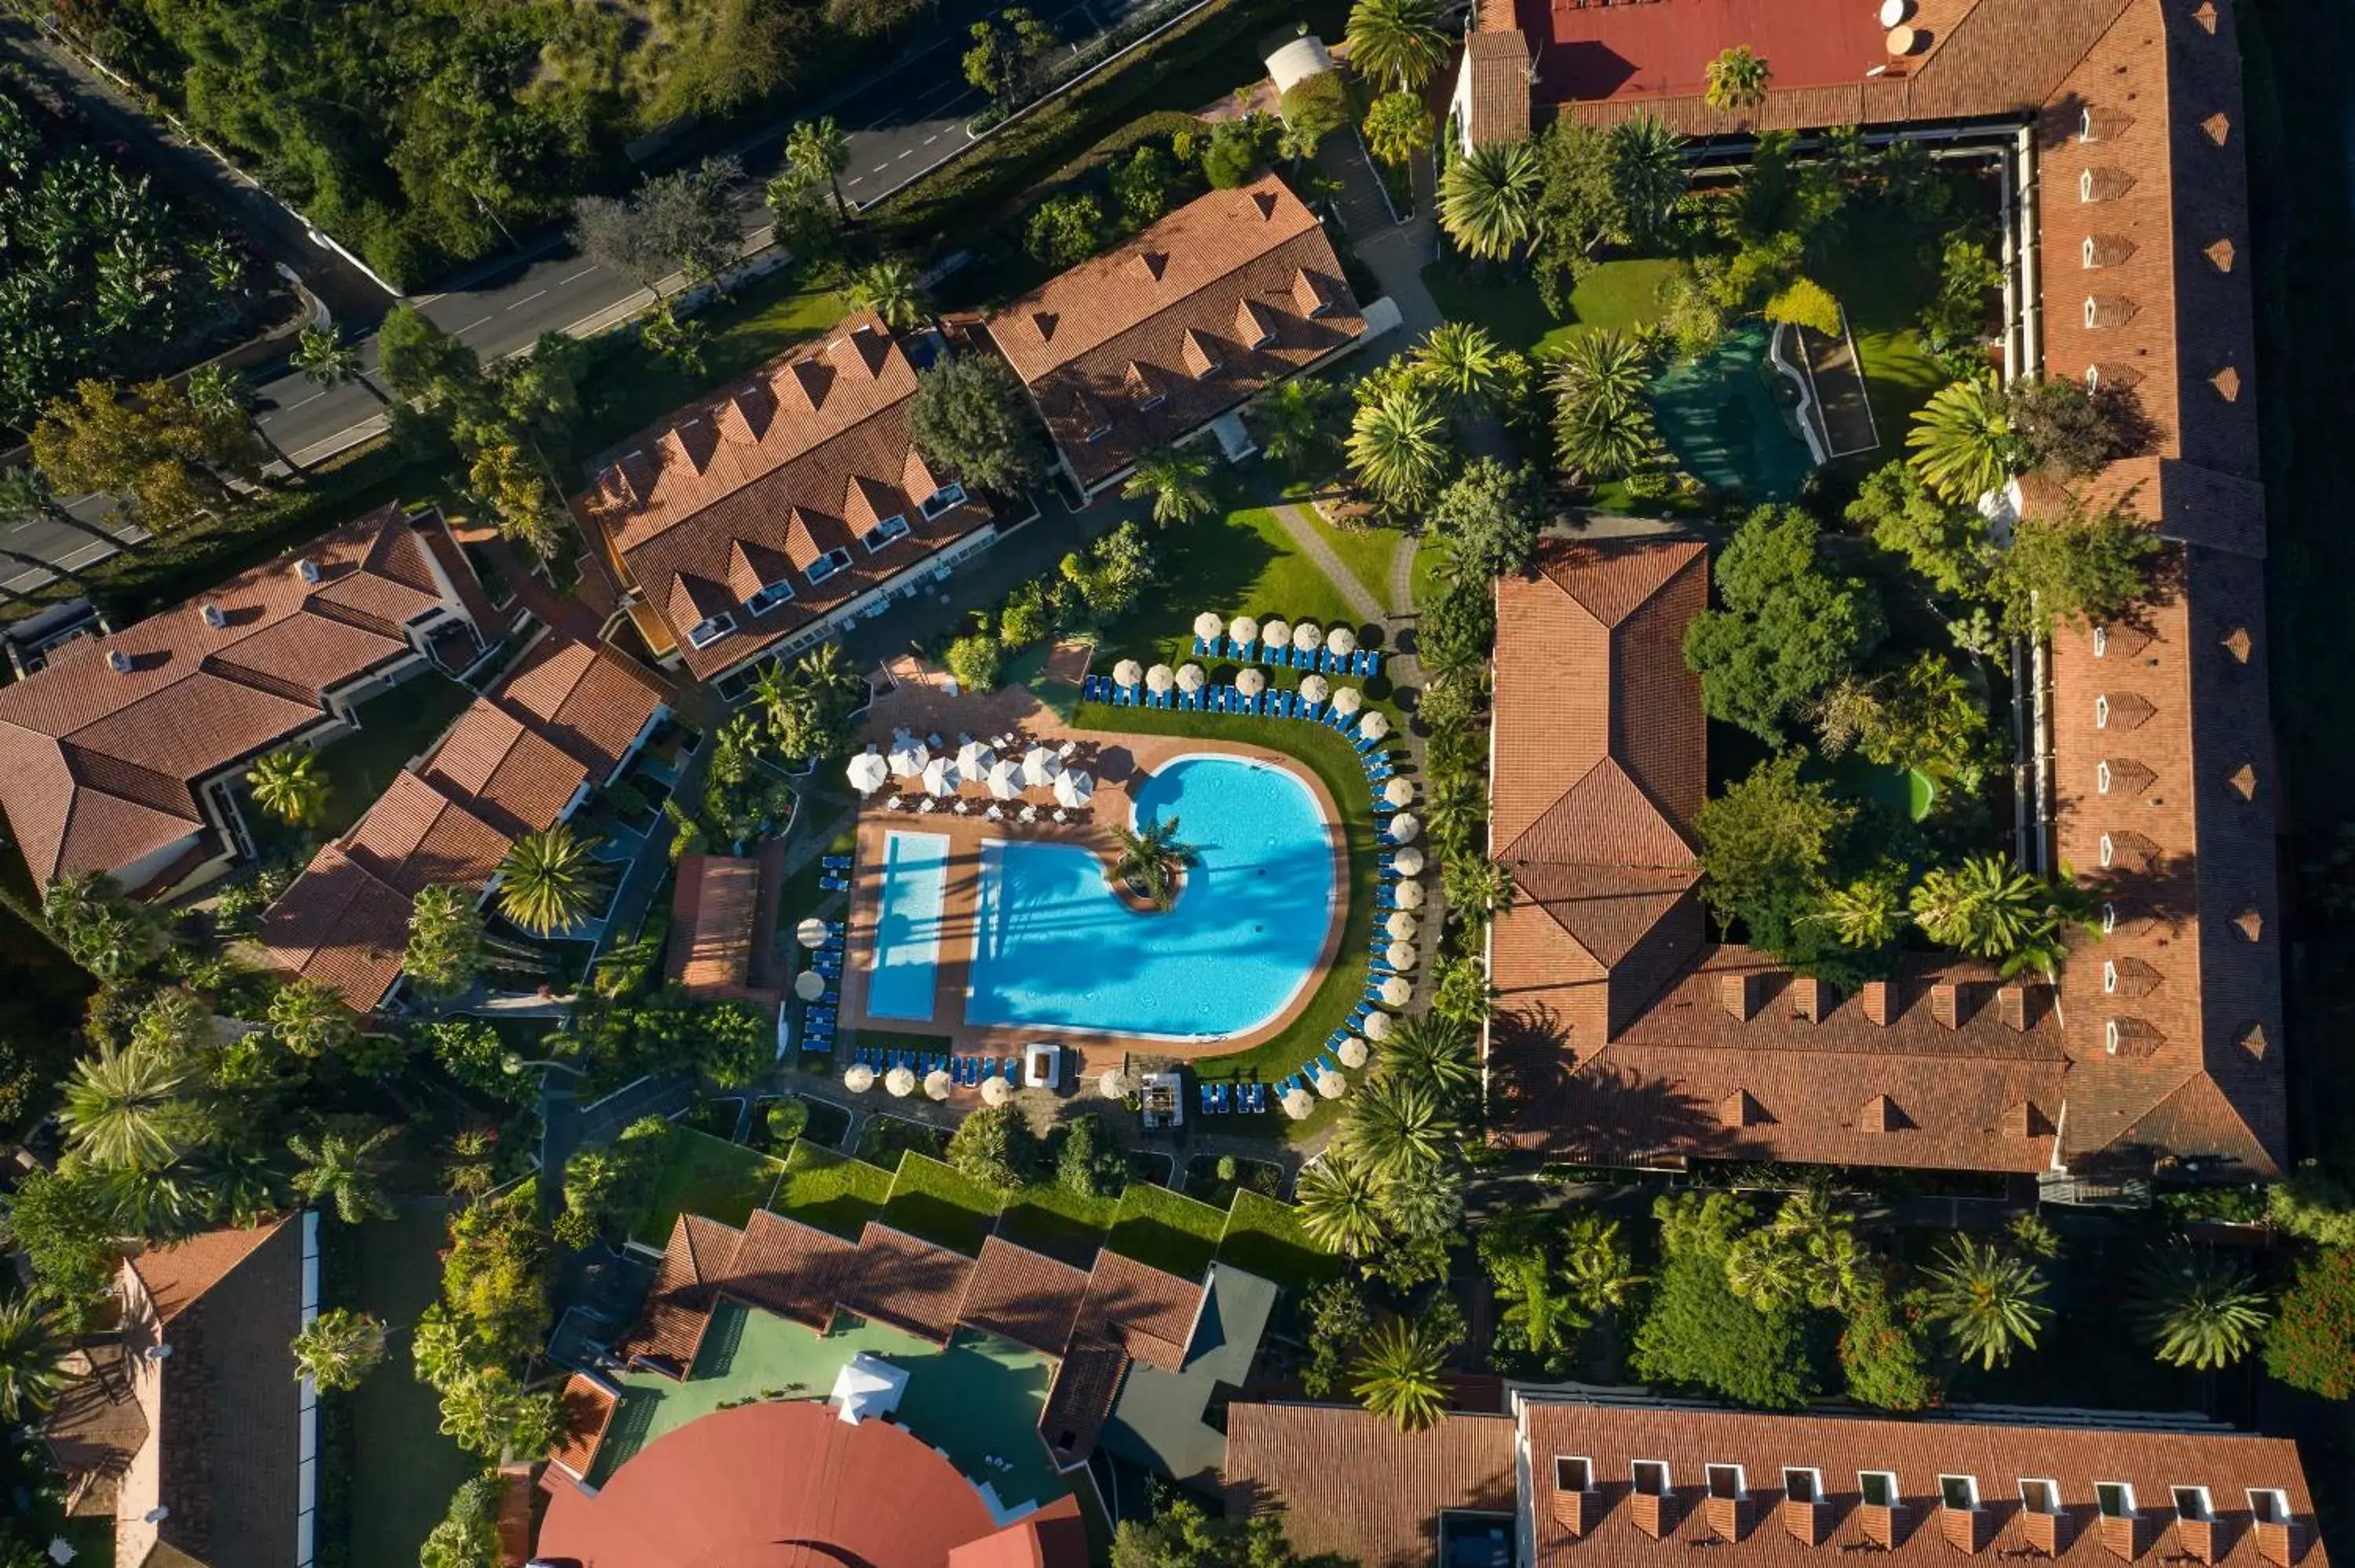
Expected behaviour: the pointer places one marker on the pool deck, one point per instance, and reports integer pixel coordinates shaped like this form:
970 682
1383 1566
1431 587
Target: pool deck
922 705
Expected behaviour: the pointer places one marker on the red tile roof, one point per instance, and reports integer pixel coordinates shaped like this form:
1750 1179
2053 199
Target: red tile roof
177 1275
1097 343
712 905
1147 1312
1025 1297
1055 1536
789 1268
591 701
698 1256
1353 1485
588 1408
906 1282
519 780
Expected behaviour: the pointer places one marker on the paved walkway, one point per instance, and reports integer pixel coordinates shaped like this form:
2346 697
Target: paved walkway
1362 204
1301 523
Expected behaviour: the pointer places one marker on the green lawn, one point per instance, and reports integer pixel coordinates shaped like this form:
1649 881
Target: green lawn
1883 272
403 1469
1619 293
932 1200
393 728
1046 1218
830 1191
1265 1237
1367 552
1241 564
708 1176
1168 1230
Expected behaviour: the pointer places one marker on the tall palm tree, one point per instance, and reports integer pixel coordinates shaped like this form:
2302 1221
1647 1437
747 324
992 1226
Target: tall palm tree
323 357
1462 359
446 944
547 879
1866 912
337 1349
290 785
1397 446
818 152
30 1352
1400 1125
2198 1309
891 289
1737 81
1340 1202
1767 1269
1477 888
1990 909
1399 43
1298 421
310 1018
1648 173
1962 440
1178 482
1427 1048
1990 1300
221 397
1488 199
127 1107
1153 860
1540 1309
1597 1265
1607 367
1397 127
344 1166
1400 1373
1455 805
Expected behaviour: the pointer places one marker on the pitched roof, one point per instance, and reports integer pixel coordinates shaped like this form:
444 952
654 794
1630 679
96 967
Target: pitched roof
1351 1484
1055 1536
1146 1311
697 507
1024 1295
516 779
101 751
906 1281
698 1255
587 1406
1098 342
589 699
710 951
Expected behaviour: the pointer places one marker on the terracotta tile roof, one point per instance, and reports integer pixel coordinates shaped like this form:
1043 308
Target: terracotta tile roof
905 1281
695 507
1055 1536
1497 66
712 904
696 1260
417 837
1147 1312
100 753
588 1408
1025 1297
95 1429
1080 1401
789 1268
515 778
341 924
1095 344
1351 1484
591 701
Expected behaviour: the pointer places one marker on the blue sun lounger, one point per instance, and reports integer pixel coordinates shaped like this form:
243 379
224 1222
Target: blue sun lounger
1242 653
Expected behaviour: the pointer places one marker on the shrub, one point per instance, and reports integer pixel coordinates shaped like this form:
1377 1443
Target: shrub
2311 1344
973 662
1806 302
1089 1165
1065 230
994 1147
1316 106
1698 1333
1883 1357
1233 155
788 1117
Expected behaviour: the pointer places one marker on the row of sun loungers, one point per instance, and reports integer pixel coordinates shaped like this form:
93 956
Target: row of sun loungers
1315 661
992 812
818 1017
965 1072
1229 1098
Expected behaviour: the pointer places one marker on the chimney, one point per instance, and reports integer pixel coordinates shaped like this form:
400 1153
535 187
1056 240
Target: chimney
2125 1535
1810 999
2281 1541
213 616
1650 1513
1729 1518
117 660
1965 1529
1880 999
1740 993
1740 1108
1805 1521
1571 1511
2199 1537
2048 1532
1879 1523
1946 1003
2011 1003
307 569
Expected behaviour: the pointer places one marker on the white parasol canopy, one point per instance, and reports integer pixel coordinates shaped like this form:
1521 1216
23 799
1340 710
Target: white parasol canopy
1315 688
1251 682
1399 792
1074 789
1352 1053
1348 700
1297 1104
858 1077
1401 955
1208 625
936 1083
1374 726
995 1091
1408 862
868 771
1403 827
1127 672
1377 1026
1160 678
1242 628
1308 635
941 777
975 758
1192 677
1113 1084
867 1386
899 1082
1396 992
1332 1085
1410 895
812 932
809 985
908 758
1402 926
1340 640
1004 778
1278 633
1040 767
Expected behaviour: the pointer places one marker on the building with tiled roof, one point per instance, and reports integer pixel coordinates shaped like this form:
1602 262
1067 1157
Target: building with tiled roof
1191 319
518 761
769 517
1639 1481
189 1427
121 754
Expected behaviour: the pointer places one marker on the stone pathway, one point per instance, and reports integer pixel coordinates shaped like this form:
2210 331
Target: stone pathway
1301 523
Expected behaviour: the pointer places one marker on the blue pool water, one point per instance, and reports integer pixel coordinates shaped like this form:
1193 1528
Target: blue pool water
907 933
1055 947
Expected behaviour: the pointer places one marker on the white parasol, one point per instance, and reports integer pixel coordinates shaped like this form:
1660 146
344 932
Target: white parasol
1040 767
1403 827
1208 625
812 932
1251 682
1004 778
1127 672
1410 895
936 1083
1401 955
1297 1104
1113 1084
1191 677
1243 631
1396 992
941 777
975 758
1278 633
1399 792
1348 700
1352 1053
858 1077
1373 726
809 985
869 771
1315 688
1308 636
1341 642
1160 678
1408 862
899 1082
1377 1026
995 1091
908 758
1402 926
1332 1085
1075 790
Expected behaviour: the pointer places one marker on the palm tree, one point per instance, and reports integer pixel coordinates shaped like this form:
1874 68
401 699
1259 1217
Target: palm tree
1400 1375
1607 367
1648 173
1476 887
309 1017
1298 421
1400 1125
220 396
1867 913
1737 81
344 1166
817 152
1488 199
1989 1299
1990 909
30 1351
1540 1309
1152 861
1429 1049
1178 482
1399 43
337 1349
1396 445
1767 1269
891 289
1462 359
548 880
2198 1309
322 354
1597 1267
444 954
1964 445
1340 1202
1397 127
290 785
1455 806
125 1108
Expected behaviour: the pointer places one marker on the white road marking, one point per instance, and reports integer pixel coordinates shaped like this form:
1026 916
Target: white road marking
908 154
290 408
526 300
933 138
469 327
576 277
880 169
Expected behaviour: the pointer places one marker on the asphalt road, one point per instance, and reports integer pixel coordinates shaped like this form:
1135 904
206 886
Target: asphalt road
901 124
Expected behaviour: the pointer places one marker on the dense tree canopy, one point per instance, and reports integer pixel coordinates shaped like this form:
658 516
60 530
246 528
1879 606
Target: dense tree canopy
1789 627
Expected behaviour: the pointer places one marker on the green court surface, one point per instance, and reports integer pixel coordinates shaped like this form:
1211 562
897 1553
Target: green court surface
1718 415
978 1401
1908 791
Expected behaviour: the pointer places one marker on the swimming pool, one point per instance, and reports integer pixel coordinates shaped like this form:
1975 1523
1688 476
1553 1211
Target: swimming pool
907 926
1056 949
1718 415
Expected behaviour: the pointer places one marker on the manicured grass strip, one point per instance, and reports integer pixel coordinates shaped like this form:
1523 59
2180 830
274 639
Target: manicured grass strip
932 1200
1266 1238
708 1176
1367 551
1167 1230
831 1191
1620 293
402 1469
1047 1218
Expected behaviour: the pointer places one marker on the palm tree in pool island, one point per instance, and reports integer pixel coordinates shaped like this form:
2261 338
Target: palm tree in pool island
1151 861
547 879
